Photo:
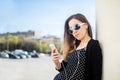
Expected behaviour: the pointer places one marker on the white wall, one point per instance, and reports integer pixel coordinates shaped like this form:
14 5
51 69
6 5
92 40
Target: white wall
108 33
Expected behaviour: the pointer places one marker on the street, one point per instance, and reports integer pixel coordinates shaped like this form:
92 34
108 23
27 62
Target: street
27 69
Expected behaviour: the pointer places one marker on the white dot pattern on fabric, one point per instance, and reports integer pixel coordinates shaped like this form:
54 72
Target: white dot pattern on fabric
74 70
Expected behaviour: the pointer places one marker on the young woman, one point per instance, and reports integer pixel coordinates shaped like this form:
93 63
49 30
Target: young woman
82 55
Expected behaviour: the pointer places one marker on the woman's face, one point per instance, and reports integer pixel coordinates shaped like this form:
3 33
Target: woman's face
77 28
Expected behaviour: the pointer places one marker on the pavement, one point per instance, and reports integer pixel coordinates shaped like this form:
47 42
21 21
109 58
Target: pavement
27 69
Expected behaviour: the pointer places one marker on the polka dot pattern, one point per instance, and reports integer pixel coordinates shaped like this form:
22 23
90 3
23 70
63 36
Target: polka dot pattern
75 67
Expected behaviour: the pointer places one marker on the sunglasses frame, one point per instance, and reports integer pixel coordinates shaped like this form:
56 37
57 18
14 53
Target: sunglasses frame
76 27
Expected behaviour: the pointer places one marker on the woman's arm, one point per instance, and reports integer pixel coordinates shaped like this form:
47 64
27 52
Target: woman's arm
63 65
96 61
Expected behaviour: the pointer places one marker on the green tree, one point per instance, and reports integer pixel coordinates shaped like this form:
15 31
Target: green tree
7 38
15 40
2 42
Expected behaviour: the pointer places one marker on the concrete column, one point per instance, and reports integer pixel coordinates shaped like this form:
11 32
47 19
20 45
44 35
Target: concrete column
108 33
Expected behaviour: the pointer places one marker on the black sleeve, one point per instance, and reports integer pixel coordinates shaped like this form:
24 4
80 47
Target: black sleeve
96 61
63 64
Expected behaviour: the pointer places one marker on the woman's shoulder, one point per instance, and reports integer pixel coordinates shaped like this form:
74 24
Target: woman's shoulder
93 42
94 46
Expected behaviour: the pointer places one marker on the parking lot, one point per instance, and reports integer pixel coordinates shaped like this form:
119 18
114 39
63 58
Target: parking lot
27 69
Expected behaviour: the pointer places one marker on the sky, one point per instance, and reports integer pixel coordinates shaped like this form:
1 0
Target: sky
45 16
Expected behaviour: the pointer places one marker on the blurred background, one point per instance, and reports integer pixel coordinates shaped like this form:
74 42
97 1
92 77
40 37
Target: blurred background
34 24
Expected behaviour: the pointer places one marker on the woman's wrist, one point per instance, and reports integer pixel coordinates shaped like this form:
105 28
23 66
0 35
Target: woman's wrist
57 65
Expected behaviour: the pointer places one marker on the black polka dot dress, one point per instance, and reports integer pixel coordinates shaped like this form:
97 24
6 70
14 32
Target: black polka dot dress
74 68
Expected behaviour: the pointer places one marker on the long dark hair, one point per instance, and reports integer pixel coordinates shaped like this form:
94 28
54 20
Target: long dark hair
69 40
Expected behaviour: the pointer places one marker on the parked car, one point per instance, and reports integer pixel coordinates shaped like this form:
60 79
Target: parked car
20 53
4 55
42 54
27 55
13 56
33 54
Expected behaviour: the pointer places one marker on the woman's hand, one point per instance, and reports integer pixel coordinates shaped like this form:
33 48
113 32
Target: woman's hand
55 56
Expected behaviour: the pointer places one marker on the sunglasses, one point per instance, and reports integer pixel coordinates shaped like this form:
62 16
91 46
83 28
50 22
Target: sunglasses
76 27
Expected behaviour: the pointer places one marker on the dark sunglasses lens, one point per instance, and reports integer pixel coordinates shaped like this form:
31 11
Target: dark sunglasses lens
77 26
